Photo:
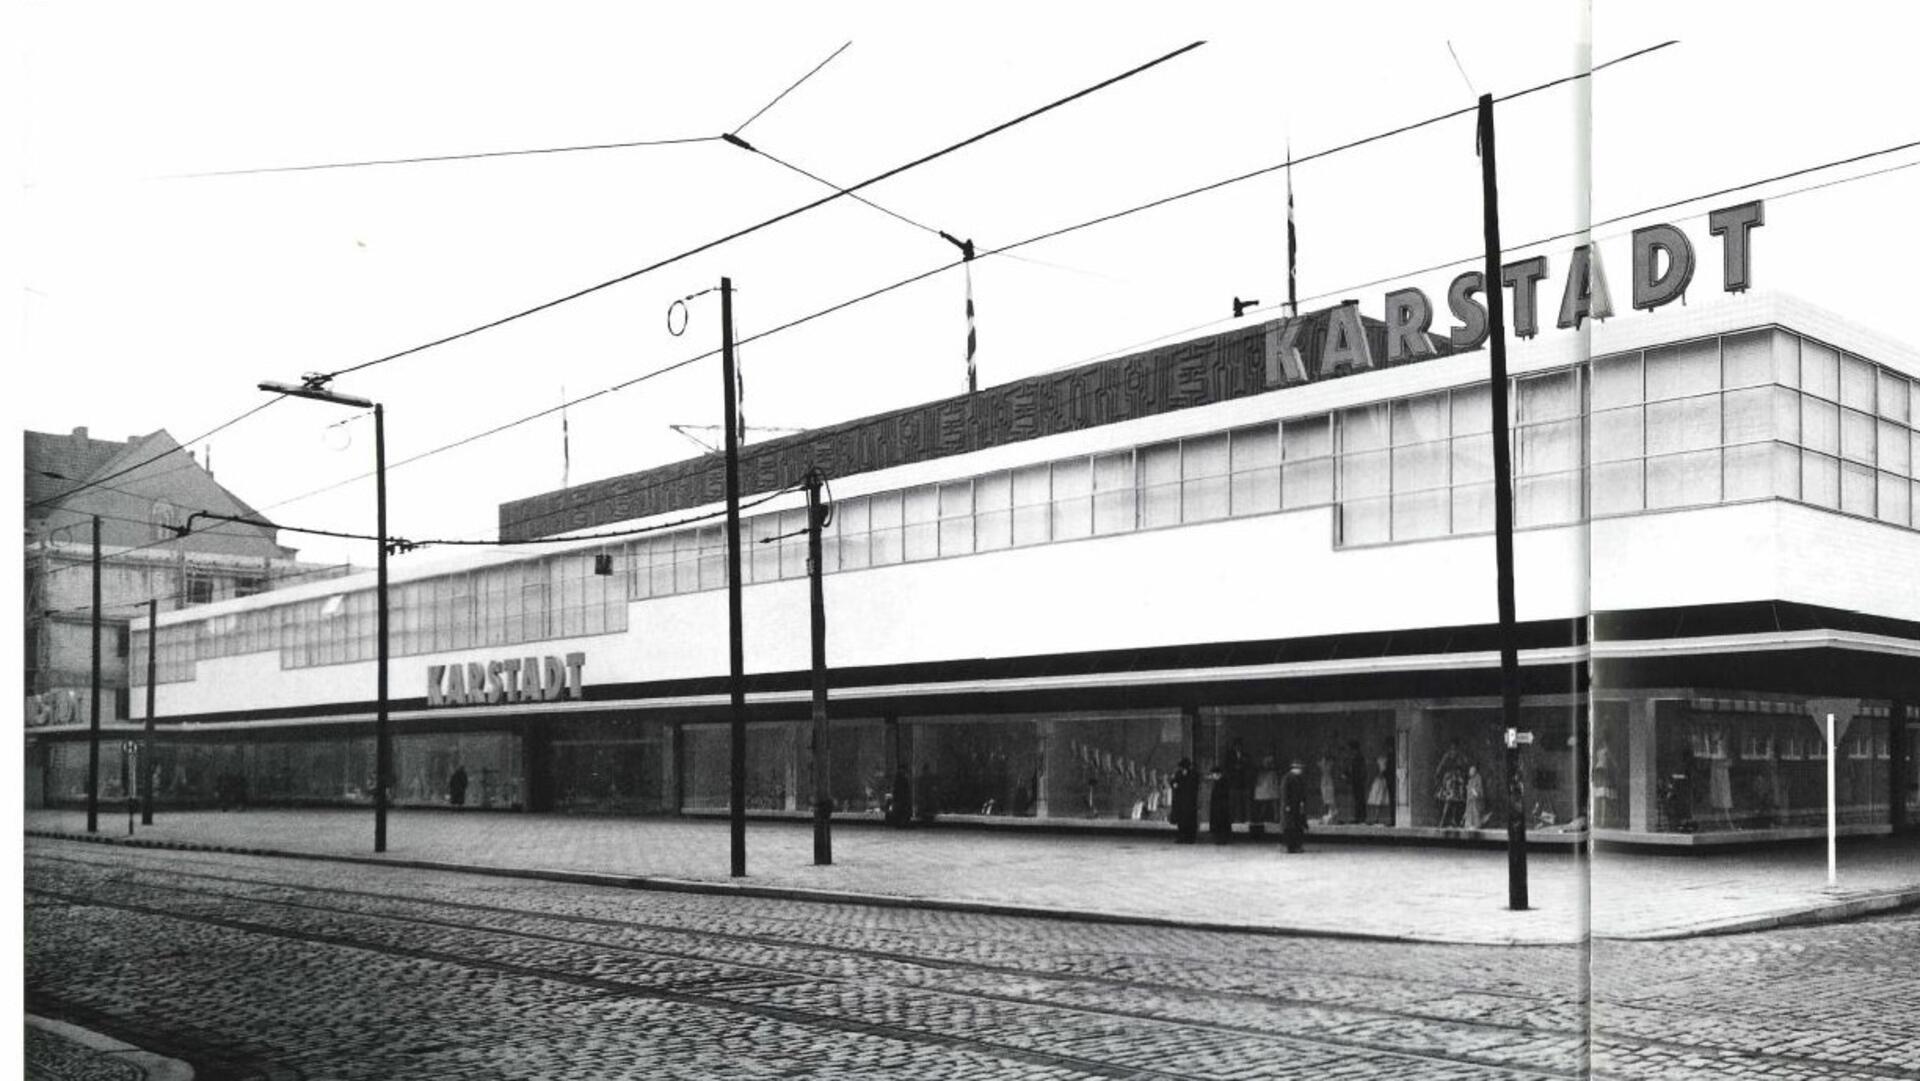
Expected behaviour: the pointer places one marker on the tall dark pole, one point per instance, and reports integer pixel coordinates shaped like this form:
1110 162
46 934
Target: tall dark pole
1503 520
146 751
382 752
93 699
822 760
736 650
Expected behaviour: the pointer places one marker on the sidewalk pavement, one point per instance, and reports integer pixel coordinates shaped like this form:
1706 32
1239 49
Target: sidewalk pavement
57 1051
1425 894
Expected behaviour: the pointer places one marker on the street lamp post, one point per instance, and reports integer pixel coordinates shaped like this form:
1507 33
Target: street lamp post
382 753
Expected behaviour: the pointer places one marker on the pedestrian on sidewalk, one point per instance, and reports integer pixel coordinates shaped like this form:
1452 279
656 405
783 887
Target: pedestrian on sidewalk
457 787
1185 809
1220 807
1293 806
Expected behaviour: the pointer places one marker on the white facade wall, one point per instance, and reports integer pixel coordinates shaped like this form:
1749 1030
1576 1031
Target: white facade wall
1271 576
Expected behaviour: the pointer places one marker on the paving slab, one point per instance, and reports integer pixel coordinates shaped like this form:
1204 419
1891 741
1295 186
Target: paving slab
1410 893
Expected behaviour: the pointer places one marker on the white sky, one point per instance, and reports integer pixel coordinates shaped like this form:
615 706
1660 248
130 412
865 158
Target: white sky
153 303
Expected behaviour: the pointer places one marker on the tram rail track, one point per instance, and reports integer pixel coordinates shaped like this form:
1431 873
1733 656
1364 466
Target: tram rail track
212 882
1266 965
769 976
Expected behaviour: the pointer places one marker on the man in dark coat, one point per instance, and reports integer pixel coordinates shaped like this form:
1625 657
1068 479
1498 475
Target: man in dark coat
1185 812
457 787
1220 807
1293 806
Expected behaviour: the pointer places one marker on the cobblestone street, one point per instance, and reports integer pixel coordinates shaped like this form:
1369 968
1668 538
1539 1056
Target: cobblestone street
251 967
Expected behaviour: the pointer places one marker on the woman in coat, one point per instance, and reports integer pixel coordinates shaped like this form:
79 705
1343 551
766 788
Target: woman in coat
1185 809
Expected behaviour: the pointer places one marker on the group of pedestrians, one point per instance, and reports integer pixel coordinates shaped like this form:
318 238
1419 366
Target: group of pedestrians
1289 796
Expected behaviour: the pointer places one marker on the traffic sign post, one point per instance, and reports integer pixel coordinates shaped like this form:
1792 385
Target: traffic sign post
1833 715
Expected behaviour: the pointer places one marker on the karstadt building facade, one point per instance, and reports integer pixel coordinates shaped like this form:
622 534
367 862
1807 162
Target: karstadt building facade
1267 545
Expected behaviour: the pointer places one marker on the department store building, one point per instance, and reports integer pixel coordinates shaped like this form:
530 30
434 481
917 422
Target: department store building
1042 596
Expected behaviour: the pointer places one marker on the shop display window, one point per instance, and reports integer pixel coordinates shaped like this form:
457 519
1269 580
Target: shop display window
1460 781
1342 754
1729 765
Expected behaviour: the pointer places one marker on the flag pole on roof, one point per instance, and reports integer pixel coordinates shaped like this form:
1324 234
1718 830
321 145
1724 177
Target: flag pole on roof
966 268
1293 241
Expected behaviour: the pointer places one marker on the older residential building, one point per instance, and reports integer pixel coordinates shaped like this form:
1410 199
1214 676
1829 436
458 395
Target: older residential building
140 489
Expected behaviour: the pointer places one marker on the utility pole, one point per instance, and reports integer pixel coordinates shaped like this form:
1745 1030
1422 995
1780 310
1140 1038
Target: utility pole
382 739
146 754
314 387
93 699
1503 520
736 650
822 759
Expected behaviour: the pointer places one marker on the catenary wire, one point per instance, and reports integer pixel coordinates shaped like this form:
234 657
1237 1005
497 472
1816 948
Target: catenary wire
762 498
83 563
439 157
796 85
737 234
177 448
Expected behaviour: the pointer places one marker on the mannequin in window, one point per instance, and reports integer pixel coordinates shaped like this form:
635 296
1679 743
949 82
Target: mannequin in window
1330 807
1380 795
1450 784
1356 767
1604 792
1475 793
1720 778
1266 794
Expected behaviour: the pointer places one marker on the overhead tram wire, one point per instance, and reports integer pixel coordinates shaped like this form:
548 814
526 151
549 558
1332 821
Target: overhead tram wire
742 126
182 445
737 234
404 544
439 158
155 544
409 545
1329 152
922 276
334 570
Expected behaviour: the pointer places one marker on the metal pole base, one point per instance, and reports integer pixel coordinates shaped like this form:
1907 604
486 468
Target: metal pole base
823 833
